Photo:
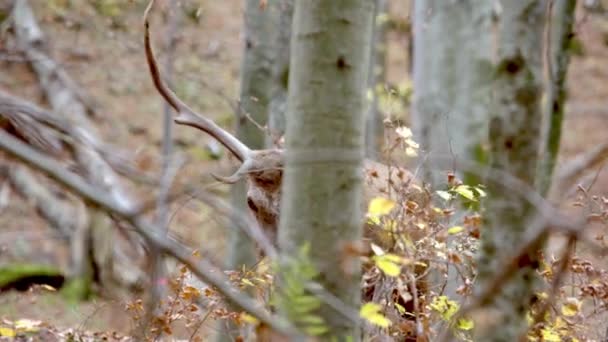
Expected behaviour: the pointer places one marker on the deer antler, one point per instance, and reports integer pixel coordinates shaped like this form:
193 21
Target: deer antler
185 115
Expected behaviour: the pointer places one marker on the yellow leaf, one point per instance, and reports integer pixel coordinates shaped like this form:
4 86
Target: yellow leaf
388 265
248 318
455 230
380 206
465 324
571 307
247 282
371 312
445 307
550 335
466 192
7 332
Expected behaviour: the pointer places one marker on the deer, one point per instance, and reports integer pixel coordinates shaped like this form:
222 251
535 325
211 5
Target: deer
263 169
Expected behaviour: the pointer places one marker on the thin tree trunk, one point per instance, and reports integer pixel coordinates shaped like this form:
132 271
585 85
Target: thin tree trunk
560 37
514 141
374 132
280 71
451 72
322 188
255 95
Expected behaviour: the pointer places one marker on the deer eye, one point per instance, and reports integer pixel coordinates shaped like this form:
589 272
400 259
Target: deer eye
251 205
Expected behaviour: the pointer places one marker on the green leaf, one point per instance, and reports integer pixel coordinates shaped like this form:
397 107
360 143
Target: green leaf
465 324
316 330
445 307
466 192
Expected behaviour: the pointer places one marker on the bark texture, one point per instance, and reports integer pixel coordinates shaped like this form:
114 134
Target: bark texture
254 103
559 40
322 185
255 95
374 132
452 73
280 70
514 139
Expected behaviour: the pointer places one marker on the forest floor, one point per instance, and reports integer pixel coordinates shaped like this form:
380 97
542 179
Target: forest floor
103 52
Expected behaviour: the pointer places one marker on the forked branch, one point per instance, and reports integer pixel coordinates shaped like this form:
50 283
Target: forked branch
185 115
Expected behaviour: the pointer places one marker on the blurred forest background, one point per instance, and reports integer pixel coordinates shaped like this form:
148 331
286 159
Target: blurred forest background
99 44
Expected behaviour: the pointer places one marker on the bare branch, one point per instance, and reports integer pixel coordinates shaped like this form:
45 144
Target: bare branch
151 232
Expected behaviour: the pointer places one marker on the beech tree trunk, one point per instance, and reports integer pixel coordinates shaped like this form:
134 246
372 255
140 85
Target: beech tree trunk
452 73
374 132
254 101
280 70
322 187
514 140
255 95
560 37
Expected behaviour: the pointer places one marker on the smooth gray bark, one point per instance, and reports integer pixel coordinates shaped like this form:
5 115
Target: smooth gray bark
280 70
255 95
322 185
514 140
560 38
374 132
254 103
451 72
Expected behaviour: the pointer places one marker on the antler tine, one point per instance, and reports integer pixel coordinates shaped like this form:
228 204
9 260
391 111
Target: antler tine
187 116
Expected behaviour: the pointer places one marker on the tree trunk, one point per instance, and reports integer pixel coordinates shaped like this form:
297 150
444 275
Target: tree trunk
325 135
255 95
560 37
280 70
514 140
451 72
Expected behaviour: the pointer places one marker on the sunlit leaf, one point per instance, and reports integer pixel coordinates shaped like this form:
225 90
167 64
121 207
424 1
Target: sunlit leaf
380 206
445 307
466 192
550 335
248 318
571 307
444 195
7 332
377 249
465 324
27 325
411 152
480 191
455 230
371 313
389 264
404 132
